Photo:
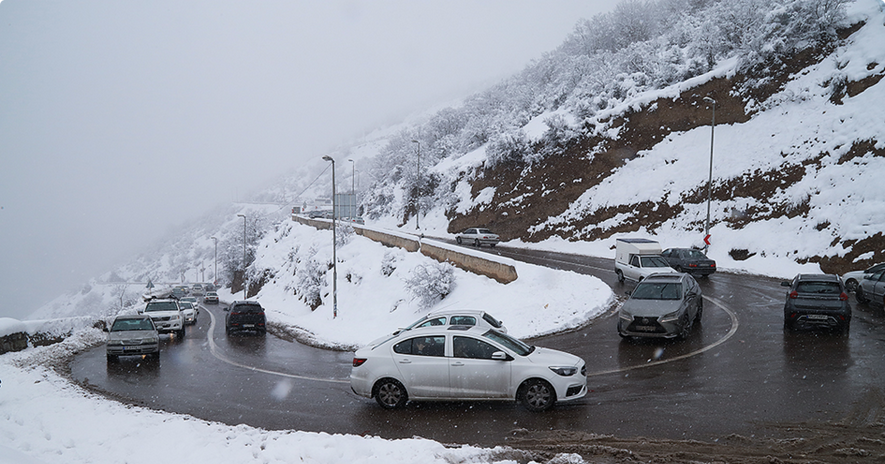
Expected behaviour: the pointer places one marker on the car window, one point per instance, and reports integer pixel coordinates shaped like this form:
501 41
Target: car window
492 321
463 320
422 346
484 231
428 323
517 346
161 306
876 276
654 261
634 261
185 305
132 324
466 347
823 288
657 291
695 254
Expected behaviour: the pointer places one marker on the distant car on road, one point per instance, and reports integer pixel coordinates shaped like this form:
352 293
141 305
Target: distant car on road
852 279
166 315
189 312
478 236
469 317
689 260
245 315
133 335
662 306
210 298
197 290
817 301
189 299
456 363
872 289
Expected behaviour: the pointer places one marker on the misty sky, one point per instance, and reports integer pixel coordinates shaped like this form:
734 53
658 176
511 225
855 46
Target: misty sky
120 120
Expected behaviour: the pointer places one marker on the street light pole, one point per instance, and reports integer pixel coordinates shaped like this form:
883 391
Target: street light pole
334 245
710 177
353 189
418 188
244 253
215 272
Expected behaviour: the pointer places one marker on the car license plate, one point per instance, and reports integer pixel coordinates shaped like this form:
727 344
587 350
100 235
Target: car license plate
645 328
248 325
818 317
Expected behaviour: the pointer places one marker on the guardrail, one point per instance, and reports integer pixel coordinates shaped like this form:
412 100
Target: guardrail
501 272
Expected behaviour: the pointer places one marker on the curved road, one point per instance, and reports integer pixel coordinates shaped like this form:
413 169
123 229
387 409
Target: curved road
738 373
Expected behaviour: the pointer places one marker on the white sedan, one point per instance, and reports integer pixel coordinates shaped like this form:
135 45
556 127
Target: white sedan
456 363
477 236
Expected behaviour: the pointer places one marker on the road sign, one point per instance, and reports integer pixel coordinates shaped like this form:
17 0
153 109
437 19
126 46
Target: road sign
707 239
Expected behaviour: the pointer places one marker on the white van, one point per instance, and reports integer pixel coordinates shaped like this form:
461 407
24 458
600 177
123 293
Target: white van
638 258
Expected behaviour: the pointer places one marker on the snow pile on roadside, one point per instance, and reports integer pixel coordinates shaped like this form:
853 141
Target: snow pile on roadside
375 298
45 419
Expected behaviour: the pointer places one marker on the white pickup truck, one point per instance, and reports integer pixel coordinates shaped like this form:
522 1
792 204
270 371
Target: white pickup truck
638 258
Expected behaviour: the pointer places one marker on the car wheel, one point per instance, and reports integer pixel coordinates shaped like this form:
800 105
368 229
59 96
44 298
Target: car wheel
851 285
458 239
861 298
620 276
787 326
390 394
492 245
686 327
846 327
180 333
476 243
536 395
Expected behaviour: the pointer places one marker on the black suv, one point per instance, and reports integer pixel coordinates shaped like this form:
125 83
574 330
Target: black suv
245 315
817 301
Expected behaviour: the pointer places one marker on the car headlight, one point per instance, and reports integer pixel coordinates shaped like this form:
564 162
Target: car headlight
624 315
115 342
564 371
672 317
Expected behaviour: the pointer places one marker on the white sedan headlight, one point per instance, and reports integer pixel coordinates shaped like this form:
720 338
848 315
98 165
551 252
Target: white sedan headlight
565 371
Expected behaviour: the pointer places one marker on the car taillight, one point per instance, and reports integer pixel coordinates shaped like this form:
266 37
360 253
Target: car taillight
692 265
794 294
357 362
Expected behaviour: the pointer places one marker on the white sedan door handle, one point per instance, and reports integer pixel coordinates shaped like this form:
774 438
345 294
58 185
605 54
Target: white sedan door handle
457 363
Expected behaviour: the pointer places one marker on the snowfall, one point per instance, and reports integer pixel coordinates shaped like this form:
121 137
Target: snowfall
45 418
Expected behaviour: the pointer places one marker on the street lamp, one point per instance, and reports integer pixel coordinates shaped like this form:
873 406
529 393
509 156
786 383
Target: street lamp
710 178
244 253
418 201
215 273
334 240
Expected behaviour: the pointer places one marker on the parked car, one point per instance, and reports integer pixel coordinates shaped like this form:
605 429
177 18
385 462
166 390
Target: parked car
166 315
662 305
450 317
852 279
456 363
816 301
133 335
210 298
245 315
689 260
189 312
638 258
477 236
872 289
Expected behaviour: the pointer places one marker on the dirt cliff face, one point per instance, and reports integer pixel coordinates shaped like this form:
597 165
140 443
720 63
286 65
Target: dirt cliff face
527 194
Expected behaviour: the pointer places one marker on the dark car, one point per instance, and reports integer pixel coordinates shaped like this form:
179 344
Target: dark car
663 306
872 289
245 315
689 260
817 301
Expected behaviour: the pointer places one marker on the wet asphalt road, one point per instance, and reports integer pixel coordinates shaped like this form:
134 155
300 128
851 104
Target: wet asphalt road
738 373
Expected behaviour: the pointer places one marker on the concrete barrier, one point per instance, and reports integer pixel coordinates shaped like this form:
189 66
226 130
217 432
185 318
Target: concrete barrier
504 273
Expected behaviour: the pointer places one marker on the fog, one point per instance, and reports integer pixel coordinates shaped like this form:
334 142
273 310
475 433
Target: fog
120 121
